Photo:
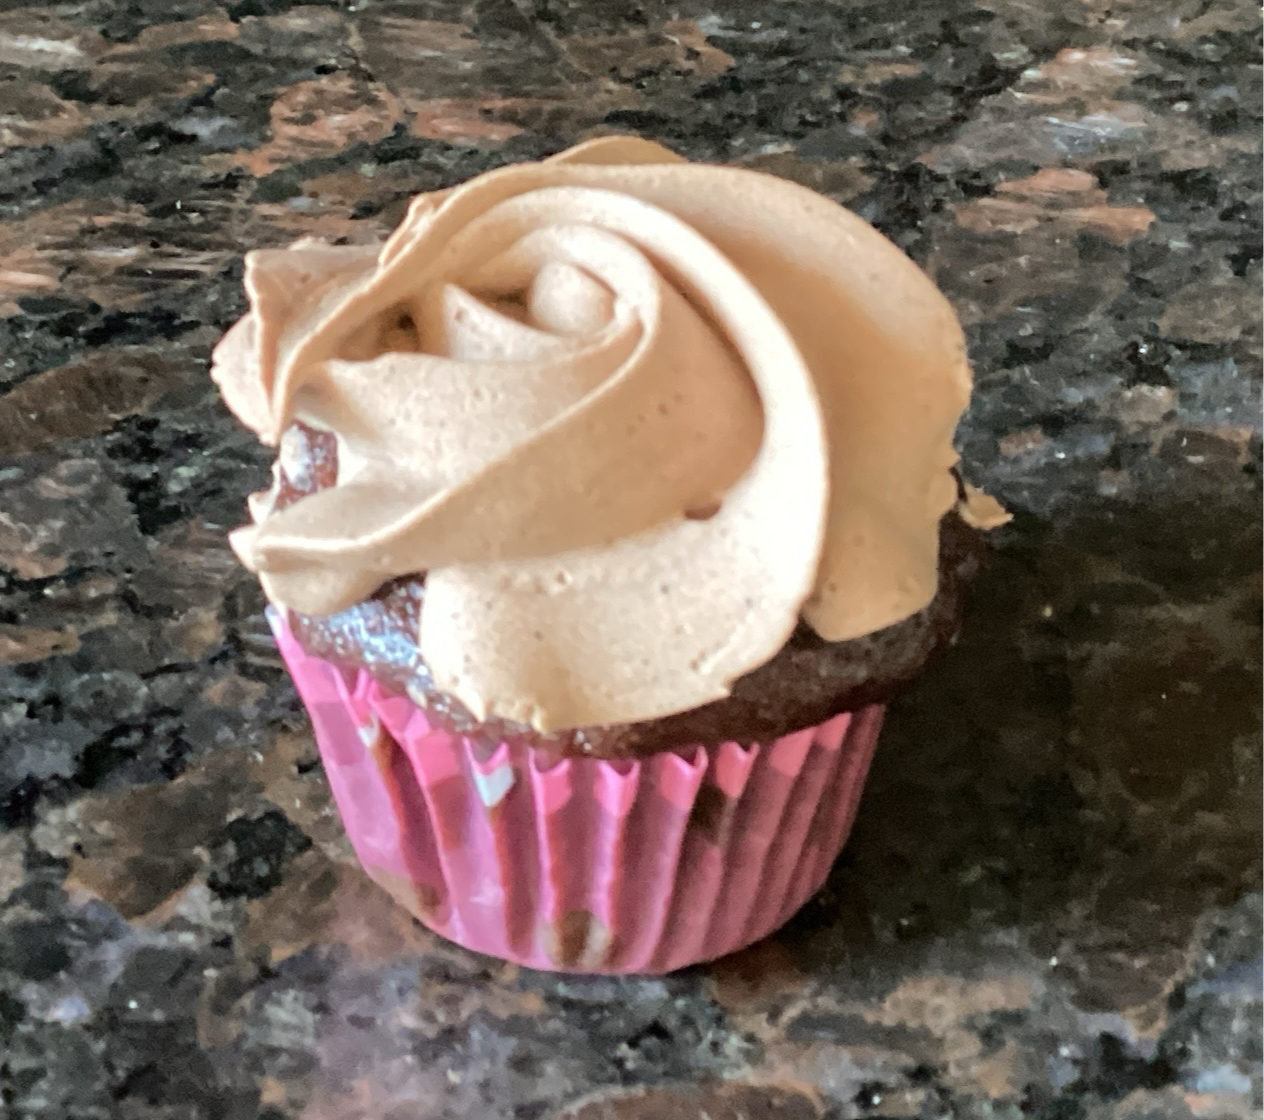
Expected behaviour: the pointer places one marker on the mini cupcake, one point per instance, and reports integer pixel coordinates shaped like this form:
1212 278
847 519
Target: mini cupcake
615 496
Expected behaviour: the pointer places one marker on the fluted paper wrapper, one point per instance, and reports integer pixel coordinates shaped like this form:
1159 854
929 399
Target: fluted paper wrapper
581 864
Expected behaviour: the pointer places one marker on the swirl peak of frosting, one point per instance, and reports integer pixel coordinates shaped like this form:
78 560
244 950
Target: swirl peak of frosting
631 416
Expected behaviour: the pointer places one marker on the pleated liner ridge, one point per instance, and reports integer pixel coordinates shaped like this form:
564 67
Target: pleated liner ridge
580 864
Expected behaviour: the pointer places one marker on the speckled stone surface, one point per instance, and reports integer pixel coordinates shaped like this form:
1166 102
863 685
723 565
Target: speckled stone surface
1050 906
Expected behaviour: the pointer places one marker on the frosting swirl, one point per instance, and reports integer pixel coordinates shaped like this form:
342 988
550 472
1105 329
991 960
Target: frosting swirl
632 417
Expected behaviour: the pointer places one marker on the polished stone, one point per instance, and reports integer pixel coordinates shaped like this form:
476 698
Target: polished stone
1050 906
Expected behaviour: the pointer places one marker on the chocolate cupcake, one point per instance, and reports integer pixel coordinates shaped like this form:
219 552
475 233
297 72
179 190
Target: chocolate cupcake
615 496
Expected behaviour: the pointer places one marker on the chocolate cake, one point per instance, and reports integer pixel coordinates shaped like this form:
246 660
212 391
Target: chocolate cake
809 681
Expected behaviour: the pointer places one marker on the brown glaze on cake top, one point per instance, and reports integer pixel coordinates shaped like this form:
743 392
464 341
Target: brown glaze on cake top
809 681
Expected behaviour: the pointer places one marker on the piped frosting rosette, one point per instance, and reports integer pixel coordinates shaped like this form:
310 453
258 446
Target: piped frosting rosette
632 417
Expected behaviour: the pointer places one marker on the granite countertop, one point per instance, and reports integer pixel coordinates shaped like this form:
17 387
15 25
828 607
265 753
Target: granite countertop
1050 906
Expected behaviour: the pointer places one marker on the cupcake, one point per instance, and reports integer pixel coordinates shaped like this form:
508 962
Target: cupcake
615 496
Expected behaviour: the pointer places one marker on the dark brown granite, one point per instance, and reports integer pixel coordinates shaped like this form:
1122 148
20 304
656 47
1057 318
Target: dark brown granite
725 1102
1050 906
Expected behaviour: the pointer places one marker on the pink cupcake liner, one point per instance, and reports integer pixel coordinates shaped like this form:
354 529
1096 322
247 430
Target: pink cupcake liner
580 864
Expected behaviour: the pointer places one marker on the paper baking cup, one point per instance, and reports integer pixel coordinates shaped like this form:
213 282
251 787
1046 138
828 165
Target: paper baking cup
580 864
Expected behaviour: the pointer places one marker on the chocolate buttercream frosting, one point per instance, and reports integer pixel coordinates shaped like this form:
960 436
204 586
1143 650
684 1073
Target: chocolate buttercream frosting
607 435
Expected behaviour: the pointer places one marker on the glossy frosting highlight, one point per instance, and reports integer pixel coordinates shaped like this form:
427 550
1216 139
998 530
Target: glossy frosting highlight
631 416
